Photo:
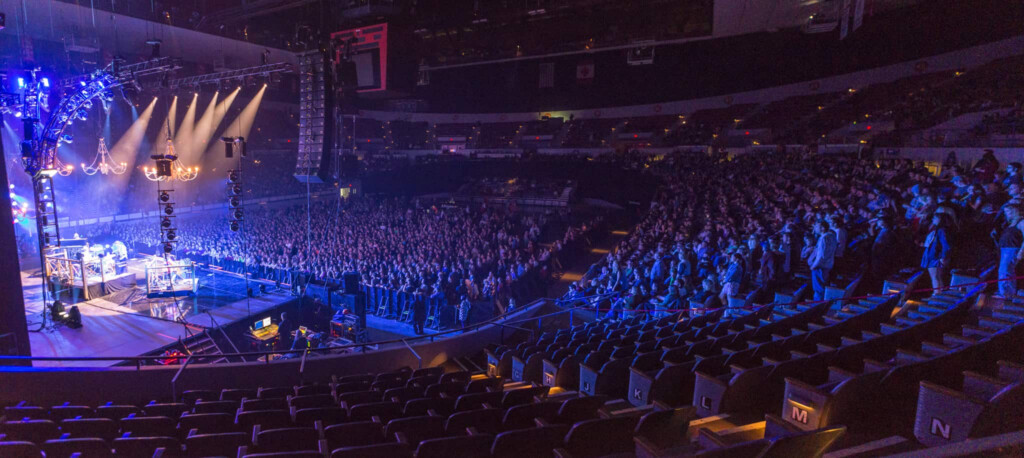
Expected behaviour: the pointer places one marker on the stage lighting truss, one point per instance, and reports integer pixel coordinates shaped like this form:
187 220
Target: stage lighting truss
103 163
73 106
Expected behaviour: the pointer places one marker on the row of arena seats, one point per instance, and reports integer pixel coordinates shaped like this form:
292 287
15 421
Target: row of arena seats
878 374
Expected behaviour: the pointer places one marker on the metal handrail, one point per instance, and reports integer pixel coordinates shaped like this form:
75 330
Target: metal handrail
174 381
492 321
417 355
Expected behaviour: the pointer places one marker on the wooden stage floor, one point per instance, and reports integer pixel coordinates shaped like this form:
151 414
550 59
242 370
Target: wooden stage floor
128 324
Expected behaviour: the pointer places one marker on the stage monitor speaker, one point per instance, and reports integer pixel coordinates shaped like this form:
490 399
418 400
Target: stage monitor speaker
356 303
350 282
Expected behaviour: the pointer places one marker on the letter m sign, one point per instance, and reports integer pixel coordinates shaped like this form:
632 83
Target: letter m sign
799 415
940 429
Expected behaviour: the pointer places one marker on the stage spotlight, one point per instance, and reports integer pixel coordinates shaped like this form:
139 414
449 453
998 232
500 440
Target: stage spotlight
169 209
165 222
82 115
234 176
67 138
21 83
168 247
165 196
17 114
234 201
46 82
74 320
236 189
87 105
171 235
238 213
234 226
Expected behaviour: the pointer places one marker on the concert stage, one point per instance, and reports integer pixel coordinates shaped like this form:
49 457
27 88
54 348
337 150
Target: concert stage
127 323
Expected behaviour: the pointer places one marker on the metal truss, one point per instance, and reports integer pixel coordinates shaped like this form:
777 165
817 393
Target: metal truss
239 74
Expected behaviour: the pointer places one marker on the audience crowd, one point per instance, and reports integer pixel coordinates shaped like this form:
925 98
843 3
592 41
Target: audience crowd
751 225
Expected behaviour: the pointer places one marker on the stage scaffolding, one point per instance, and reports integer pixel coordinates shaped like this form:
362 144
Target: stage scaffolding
168 277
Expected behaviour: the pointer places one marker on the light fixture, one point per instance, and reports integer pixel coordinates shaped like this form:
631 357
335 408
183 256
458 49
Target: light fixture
103 162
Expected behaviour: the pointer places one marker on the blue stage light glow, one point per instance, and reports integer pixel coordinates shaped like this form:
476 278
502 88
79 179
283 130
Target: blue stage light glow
46 82
21 83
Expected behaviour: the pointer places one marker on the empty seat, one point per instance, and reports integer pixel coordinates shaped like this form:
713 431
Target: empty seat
412 430
462 377
190 397
85 447
206 423
285 440
117 412
348 400
171 410
216 444
215 407
149 426
475 446
275 392
531 442
36 431
250 405
146 446
483 385
103 428
236 394
403 394
384 410
267 419
309 390
394 450
325 415
616 436
453 389
21 449
663 429
523 396
521 416
483 420
428 371
423 406
21 412
312 400
473 401
579 408
58 413
354 434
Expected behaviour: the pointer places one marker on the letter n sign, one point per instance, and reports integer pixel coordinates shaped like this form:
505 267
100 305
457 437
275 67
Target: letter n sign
940 429
799 415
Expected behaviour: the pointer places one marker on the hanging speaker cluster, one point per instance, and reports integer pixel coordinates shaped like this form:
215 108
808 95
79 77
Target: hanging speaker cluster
235 189
168 232
233 144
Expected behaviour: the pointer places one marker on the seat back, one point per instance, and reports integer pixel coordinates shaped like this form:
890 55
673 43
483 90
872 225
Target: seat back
393 450
287 440
385 410
811 444
251 405
580 408
229 394
206 423
36 431
484 420
216 444
65 448
666 428
528 442
267 419
103 428
148 426
215 407
415 429
29 450
616 435
521 416
478 445
326 415
354 434
146 446
311 400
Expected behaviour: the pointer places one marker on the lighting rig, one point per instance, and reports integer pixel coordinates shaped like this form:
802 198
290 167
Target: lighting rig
235 188
103 162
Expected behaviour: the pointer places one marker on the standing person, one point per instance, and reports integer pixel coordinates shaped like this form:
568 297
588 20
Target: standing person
419 313
1011 250
937 250
463 312
731 279
285 330
822 258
